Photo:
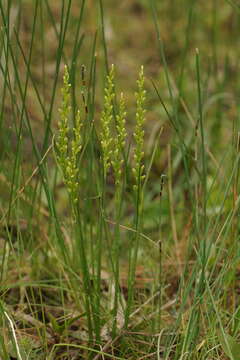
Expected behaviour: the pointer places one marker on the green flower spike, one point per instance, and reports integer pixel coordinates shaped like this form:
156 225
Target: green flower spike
67 156
117 160
138 135
106 120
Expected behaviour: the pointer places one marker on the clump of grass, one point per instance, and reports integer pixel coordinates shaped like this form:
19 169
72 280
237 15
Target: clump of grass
113 140
114 210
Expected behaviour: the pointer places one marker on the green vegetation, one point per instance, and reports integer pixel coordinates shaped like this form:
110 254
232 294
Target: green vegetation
119 234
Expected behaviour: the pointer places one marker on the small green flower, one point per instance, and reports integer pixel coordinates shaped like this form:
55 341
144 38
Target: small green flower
138 168
106 120
67 152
